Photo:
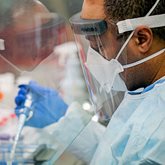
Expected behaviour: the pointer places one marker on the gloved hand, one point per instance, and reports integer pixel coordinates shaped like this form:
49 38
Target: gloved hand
48 107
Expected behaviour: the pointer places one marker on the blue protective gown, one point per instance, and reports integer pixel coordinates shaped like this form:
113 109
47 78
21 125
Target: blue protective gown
136 132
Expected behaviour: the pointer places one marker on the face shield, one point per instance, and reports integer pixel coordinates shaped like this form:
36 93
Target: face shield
27 52
97 46
24 45
104 56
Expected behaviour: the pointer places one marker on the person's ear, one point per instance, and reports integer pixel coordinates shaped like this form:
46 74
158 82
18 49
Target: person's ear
143 38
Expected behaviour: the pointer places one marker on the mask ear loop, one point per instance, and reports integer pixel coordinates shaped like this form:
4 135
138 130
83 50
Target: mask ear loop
144 60
99 43
128 39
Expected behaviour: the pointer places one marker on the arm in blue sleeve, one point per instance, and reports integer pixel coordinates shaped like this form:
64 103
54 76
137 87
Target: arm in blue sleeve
76 132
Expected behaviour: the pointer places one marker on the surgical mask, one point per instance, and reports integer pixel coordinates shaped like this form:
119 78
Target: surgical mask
105 72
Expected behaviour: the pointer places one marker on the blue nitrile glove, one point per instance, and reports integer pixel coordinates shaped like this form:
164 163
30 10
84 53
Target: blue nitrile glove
47 106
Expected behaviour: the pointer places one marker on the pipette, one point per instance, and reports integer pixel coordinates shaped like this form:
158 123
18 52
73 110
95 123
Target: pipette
25 114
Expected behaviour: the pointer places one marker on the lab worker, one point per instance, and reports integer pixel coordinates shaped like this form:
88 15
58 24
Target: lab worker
122 51
28 35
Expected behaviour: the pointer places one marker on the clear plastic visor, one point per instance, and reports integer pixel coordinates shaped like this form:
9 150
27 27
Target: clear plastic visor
99 44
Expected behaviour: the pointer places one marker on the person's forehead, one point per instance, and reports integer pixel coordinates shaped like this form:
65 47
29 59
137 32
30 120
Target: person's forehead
91 19
93 9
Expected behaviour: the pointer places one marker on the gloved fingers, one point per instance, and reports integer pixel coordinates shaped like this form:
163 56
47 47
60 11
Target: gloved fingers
32 87
22 91
37 89
20 99
23 86
41 91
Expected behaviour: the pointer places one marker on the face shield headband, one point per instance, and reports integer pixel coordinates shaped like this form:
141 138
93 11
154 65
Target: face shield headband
33 45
